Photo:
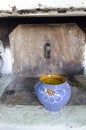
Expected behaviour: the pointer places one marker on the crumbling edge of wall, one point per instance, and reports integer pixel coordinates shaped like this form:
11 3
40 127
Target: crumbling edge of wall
46 12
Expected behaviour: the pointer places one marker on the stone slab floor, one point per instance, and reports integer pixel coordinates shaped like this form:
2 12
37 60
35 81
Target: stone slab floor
33 116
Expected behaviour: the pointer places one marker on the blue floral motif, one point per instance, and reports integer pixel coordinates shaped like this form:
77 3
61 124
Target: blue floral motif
52 96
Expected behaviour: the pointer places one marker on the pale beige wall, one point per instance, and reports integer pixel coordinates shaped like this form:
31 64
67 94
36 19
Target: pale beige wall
27 44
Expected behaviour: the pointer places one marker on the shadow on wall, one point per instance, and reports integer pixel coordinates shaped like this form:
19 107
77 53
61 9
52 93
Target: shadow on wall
72 69
68 69
82 26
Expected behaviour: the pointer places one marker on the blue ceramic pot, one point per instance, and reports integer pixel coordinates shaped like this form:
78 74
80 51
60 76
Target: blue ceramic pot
53 92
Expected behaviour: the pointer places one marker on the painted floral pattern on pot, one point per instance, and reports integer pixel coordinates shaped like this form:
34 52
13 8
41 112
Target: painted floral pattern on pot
53 92
52 96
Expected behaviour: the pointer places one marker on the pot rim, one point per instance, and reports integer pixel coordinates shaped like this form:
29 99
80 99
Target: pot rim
57 76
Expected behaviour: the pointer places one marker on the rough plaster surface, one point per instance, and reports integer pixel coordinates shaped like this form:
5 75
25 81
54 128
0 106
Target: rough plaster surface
66 41
84 62
42 8
25 4
7 60
32 118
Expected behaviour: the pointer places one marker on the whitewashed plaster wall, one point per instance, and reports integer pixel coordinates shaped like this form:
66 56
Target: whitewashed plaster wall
6 62
30 4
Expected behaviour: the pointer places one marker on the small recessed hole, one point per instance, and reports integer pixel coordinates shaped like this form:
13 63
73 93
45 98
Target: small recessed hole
47 50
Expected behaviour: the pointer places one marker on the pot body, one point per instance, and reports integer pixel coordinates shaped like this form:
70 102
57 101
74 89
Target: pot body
53 97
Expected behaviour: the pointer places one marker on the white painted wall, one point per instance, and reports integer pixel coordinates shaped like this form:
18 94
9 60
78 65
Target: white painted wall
30 4
84 61
6 61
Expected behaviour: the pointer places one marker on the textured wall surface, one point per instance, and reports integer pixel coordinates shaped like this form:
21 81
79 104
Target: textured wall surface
42 7
25 4
67 42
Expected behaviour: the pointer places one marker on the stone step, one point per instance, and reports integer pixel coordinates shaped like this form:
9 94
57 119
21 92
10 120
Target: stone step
4 82
81 79
33 118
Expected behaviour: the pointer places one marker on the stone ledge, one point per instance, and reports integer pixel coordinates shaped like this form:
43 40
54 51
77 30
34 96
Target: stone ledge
81 79
36 117
4 82
43 13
